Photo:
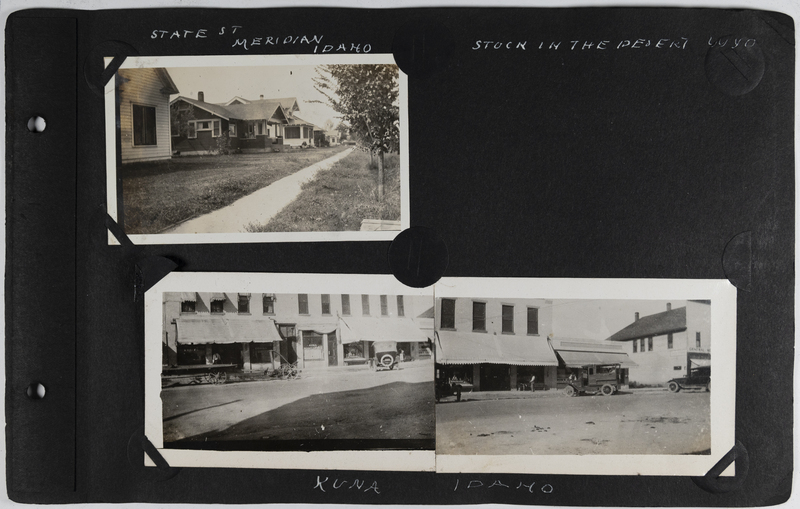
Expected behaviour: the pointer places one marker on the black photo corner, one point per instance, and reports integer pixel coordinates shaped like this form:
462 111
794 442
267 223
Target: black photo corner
579 142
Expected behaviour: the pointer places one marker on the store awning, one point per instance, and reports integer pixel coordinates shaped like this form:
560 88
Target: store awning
700 362
355 329
319 325
217 296
189 296
476 348
578 359
221 330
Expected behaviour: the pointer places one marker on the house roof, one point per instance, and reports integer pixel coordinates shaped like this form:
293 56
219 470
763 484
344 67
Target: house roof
166 79
255 110
214 109
658 324
295 120
234 99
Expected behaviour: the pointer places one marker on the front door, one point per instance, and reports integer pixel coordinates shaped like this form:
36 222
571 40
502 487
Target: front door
332 360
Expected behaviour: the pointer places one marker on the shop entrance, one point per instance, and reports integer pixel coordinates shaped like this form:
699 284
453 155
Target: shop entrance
495 377
332 358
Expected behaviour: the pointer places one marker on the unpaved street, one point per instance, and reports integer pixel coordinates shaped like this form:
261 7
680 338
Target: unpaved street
655 422
337 403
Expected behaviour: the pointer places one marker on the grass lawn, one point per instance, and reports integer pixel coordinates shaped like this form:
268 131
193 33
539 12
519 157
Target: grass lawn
339 198
160 194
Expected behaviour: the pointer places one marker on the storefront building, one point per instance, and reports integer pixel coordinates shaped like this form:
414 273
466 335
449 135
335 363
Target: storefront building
666 345
575 354
495 344
263 330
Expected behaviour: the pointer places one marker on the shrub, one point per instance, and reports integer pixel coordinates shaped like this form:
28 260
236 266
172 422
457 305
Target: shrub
223 144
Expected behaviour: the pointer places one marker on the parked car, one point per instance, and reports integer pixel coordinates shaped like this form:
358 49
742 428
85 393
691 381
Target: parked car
386 355
698 378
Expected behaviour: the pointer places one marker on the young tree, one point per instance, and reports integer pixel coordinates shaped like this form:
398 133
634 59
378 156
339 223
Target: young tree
180 114
367 99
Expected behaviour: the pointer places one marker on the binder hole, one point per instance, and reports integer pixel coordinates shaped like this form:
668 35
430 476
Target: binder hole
35 391
36 124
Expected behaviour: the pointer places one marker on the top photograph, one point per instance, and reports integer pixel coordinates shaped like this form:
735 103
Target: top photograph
257 149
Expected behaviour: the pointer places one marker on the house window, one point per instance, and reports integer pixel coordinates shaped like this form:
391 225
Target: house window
188 306
217 127
268 130
326 303
261 128
384 305
650 344
533 321
448 314
508 319
217 306
697 340
144 125
669 340
479 316
302 303
641 344
365 305
269 304
401 308
292 132
677 368
244 303
232 129
635 344
345 305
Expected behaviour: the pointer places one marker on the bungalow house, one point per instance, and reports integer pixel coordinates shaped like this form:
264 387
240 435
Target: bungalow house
666 345
144 113
252 125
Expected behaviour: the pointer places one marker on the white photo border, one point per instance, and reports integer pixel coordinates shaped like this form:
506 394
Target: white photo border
254 283
252 61
723 399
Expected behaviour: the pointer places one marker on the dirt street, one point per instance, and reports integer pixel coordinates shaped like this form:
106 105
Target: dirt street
337 403
656 422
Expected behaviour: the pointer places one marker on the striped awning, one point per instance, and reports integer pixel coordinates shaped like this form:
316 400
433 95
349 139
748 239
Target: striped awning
221 330
577 359
401 329
189 296
476 348
217 296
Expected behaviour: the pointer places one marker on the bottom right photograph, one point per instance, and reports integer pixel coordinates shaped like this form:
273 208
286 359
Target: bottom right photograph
582 380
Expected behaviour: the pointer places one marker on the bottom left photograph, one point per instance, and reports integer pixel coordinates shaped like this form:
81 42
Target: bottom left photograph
275 363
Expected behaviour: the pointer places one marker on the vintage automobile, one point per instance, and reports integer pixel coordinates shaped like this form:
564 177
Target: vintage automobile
595 378
386 355
451 387
699 378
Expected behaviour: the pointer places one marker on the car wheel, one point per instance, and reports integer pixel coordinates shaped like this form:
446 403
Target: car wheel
607 390
674 387
387 360
570 391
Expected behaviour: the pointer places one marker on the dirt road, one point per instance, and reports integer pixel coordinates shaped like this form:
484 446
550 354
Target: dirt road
626 423
336 403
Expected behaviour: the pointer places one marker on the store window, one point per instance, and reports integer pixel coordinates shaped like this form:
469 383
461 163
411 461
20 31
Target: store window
365 305
697 341
508 319
345 305
384 305
261 353
354 350
326 303
479 316
269 304
650 344
312 346
188 306
302 303
243 305
669 340
448 314
533 321
401 308
217 306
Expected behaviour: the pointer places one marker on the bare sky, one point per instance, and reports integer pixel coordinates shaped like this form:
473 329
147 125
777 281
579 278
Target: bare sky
220 84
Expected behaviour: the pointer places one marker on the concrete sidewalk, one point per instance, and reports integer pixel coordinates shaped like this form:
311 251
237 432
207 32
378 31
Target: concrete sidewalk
258 207
551 393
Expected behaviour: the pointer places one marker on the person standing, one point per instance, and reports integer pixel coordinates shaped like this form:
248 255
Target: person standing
533 381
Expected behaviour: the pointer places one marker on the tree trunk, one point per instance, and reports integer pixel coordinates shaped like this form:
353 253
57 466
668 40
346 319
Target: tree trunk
380 176
371 158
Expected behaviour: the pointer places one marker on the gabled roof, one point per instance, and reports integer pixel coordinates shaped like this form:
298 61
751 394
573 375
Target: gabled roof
295 120
658 324
166 79
289 103
214 109
256 110
234 99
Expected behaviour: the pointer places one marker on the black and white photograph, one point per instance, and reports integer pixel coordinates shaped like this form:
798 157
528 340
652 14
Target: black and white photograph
254 149
332 366
530 372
